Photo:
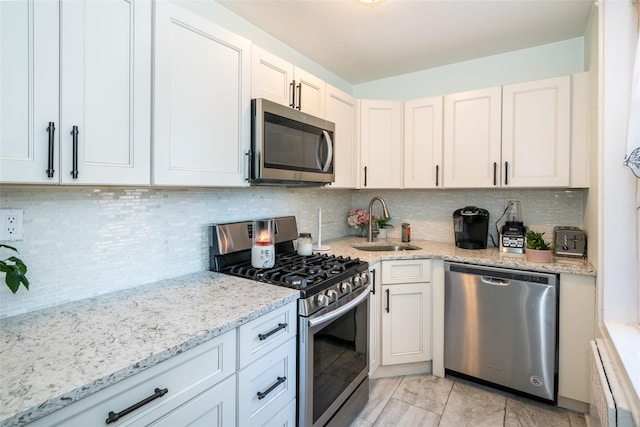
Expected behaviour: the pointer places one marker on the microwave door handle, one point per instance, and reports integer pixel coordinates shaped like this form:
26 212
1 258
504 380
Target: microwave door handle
327 138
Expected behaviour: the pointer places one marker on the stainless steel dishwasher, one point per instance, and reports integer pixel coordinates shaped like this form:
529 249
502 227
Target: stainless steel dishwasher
501 328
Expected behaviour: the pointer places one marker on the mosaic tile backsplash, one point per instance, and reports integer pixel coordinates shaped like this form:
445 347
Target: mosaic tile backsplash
82 242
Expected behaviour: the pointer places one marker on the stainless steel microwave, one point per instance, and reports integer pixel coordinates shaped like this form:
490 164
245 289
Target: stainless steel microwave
289 147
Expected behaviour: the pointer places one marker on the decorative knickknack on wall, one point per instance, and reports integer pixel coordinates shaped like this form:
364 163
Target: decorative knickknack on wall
14 269
633 133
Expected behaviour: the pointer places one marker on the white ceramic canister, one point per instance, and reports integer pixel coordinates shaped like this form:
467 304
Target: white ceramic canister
263 254
305 243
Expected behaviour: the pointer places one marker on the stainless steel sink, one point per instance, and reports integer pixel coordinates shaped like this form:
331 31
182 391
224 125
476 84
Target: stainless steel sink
394 248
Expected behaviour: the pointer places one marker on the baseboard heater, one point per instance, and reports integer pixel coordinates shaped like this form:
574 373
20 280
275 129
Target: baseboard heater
608 403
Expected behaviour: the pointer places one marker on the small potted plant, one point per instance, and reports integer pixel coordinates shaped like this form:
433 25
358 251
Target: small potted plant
14 270
537 249
383 225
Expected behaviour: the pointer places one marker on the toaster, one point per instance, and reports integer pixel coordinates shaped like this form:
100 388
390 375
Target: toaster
570 241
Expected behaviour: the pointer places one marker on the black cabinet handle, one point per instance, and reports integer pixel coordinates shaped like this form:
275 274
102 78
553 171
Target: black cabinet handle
51 130
373 284
292 94
268 334
262 395
388 301
249 155
365 176
437 175
299 96
74 133
495 173
113 417
506 173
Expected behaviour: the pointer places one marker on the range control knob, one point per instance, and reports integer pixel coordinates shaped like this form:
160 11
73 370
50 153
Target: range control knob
345 287
357 281
365 278
332 295
322 300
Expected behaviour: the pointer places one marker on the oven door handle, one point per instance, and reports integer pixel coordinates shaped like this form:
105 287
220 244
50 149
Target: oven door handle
340 311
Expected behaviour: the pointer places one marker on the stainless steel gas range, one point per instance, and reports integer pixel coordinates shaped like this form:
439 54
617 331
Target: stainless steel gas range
333 317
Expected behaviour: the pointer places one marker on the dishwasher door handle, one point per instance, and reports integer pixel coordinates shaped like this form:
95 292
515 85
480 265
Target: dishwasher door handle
495 281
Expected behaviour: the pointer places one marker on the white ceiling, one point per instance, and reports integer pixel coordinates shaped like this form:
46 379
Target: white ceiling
361 43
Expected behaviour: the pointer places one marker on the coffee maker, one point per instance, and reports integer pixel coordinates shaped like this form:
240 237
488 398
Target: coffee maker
471 227
512 235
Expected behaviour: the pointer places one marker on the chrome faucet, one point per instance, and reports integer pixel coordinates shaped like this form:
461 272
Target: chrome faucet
385 215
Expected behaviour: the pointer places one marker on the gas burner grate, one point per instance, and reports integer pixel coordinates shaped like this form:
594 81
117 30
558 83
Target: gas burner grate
297 271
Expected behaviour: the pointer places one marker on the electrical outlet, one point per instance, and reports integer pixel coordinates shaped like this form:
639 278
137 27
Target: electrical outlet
11 222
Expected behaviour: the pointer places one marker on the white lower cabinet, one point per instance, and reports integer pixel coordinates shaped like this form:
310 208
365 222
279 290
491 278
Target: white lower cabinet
374 318
216 407
186 377
406 311
267 385
267 368
207 385
577 324
285 418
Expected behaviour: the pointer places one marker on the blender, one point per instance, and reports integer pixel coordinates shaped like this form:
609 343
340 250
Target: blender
512 237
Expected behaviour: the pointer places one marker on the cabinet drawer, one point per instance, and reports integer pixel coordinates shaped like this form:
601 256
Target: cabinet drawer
406 271
216 407
285 418
265 333
184 376
272 377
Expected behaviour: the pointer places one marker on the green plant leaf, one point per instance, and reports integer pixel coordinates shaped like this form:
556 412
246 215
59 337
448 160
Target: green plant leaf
8 247
15 270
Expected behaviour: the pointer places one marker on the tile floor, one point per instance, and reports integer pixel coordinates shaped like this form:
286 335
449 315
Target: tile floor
428 401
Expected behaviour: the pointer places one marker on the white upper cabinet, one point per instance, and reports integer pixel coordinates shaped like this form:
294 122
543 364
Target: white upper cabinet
472 122
580 147
381 144
202 101
280 81
97 80
515 136
536 133
423 143
29 83
342 109
105 92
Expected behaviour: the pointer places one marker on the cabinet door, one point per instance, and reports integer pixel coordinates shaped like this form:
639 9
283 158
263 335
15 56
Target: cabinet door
106 91
29 82
472 139
536 138
406 323
381 144
202 101
271 77
577 326
342 110
423 143
310 93
374 318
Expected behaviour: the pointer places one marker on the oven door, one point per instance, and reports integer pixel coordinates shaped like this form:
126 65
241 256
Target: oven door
334 359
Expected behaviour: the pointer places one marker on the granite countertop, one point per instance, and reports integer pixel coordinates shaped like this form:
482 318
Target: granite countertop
53 357
449 252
